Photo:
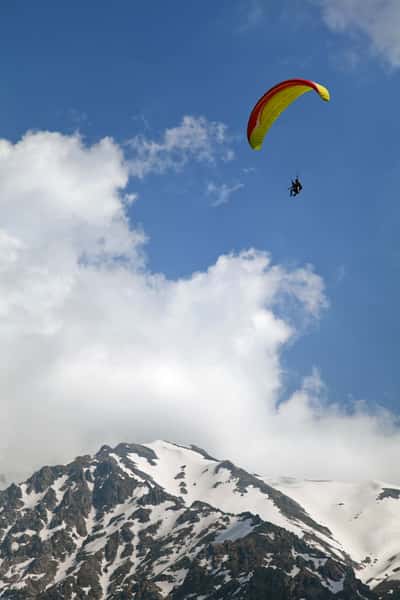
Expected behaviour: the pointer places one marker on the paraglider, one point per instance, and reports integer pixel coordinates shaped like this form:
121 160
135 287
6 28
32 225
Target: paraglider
296 187
271 105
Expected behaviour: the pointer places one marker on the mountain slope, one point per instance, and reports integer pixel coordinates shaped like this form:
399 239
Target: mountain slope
162 521
364 517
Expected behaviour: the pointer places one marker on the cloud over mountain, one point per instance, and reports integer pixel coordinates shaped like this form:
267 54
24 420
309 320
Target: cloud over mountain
97 348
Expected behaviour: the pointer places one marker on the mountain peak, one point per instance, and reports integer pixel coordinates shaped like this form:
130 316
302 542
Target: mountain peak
162 520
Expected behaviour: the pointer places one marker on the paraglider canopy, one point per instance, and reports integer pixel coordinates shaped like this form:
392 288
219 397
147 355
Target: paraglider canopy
274 102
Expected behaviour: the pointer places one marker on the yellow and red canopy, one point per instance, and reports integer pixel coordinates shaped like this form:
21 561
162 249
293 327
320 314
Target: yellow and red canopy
274 102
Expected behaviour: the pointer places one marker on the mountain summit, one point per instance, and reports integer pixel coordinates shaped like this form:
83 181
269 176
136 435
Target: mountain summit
162 521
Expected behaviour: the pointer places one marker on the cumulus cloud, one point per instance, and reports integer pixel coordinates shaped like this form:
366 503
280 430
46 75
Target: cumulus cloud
222 193
95 348
196 138
378 20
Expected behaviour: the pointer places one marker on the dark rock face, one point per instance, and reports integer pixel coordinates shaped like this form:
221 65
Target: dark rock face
389 493
102 528
268 563
388 589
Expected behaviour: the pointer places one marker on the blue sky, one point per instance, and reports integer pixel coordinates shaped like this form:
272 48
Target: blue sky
131 71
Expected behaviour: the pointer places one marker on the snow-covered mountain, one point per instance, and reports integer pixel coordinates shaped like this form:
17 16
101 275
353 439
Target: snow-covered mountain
363 517
160 521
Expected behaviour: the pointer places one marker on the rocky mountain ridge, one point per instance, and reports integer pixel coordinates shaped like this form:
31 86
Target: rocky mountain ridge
160 521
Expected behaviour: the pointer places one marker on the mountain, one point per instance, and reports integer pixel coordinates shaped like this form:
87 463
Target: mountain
162 521
364 517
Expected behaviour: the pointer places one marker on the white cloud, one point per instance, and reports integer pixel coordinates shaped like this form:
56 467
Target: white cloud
96 349
131 198
223 192
379 20
195 138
